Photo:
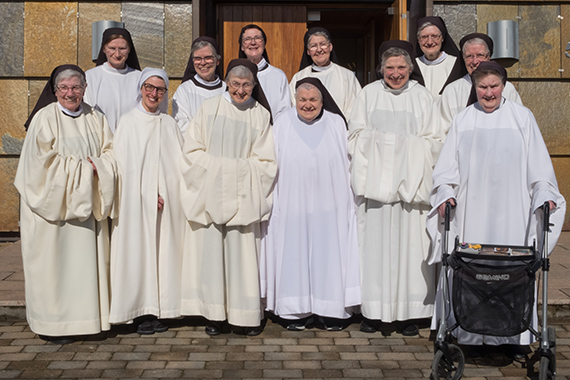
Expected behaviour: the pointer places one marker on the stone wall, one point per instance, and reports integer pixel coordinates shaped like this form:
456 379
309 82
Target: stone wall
542 72
37 36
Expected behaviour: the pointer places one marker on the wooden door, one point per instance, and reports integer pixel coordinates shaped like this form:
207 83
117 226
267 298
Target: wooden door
284 25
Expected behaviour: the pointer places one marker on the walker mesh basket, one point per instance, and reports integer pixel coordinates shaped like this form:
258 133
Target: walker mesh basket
492 295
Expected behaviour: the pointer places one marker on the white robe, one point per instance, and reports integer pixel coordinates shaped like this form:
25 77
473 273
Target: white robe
275 86
394 141
341 83
64 231
310 263
456 95
146 245
436 73
228 170
189 97
111 91
497 167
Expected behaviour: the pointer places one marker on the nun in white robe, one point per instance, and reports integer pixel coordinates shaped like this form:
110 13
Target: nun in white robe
310 262
147 242
201 81
113 82
273 80
496 167
228 168
64 208
394 141
341 83
460 94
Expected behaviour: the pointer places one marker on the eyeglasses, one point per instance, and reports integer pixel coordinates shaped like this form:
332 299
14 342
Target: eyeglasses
150 88
479 56
248 40
64 88
246 86
322 45
207 59
435 37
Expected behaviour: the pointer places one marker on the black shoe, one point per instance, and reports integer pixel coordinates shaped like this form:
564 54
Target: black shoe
367 327
57 339
474 351
217 327
158 327
296 327
410 330
253 331
146 328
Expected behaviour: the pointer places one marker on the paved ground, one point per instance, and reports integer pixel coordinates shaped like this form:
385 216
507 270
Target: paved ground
185 351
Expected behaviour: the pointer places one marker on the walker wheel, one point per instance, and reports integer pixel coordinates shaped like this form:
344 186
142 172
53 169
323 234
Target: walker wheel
547 368
444 368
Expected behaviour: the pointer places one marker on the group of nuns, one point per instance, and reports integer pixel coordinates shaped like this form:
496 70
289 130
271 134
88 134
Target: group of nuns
309 201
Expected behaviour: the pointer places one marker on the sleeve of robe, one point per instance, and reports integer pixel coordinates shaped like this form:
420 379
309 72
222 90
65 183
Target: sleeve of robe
389 167
353 89
61 188
224 190
180 111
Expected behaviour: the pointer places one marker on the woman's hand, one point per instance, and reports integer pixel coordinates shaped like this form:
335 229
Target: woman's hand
94 168
160 203
441 207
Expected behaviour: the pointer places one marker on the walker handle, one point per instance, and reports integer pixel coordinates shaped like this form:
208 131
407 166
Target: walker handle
448 208
546 217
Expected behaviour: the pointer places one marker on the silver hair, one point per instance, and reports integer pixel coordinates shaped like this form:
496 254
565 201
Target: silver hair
202 44
308 86
69 73
395 52
475 41
425 25
319 33
240 72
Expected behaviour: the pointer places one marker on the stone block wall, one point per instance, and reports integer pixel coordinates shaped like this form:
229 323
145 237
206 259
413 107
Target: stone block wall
542 72
37 36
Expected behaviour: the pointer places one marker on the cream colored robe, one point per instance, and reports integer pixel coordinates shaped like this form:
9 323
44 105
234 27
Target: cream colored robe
64 209
146 245
394 142
228 169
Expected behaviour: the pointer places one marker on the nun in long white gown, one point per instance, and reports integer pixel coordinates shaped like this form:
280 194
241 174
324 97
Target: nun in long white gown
319 61
113 82
310 261
476 48
148 235
66 180
394 142
438 57
496 168
201 81
228 168
252 41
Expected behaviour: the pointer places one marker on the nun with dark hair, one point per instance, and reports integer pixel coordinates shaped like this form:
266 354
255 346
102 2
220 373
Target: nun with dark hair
475 48
319 61
440 63
310 265
66 179
228 168
394 140
113 82
201 81
496 169
252 41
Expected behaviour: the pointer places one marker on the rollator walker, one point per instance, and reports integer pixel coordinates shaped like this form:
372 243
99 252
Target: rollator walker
492 293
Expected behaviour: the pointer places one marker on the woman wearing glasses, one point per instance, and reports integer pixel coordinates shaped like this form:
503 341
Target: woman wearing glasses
439 64
252 40
113 83
201 81
148 235
319 61
228 169
66 180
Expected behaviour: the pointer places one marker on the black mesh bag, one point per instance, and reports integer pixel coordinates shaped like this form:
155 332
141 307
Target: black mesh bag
493 299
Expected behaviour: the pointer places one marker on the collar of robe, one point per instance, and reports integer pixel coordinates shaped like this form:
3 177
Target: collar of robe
200 82
240 106
315 68
111 69
395 91
262 65
141 108
71 113
436 61
478 106
315 120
